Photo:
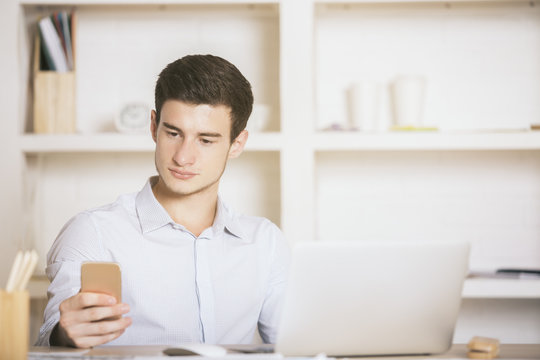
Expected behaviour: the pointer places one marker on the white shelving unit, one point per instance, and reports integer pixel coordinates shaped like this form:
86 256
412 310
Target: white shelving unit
477 178
479 288
428 141
349 141
114 142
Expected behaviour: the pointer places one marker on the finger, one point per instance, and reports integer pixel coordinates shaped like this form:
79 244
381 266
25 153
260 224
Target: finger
98 313
107 327
70 319
99 328
86 299
90 341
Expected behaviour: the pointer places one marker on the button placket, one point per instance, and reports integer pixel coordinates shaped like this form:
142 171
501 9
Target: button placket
204 290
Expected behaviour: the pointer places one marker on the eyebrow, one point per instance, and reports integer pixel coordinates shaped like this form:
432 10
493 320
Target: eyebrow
206 134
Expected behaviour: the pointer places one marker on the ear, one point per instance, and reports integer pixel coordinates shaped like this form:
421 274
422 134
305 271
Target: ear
153 125
238 144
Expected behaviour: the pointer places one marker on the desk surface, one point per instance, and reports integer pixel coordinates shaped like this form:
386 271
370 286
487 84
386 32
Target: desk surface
508 352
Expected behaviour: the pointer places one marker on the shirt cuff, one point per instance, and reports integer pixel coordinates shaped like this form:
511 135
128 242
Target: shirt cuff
45 334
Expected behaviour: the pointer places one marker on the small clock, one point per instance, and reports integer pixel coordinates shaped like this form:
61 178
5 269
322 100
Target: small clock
133 118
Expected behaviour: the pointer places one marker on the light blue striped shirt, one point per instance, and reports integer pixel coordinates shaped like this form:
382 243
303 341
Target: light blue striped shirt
215 288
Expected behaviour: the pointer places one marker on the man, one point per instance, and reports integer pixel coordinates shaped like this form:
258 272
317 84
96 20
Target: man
192 269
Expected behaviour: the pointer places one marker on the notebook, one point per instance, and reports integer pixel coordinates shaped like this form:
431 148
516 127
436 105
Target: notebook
372 298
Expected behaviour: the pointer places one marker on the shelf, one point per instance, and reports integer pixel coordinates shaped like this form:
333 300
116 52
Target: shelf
272 141
38 144
143 2
260 141
345 141
233 2
350 2
481 288
113 142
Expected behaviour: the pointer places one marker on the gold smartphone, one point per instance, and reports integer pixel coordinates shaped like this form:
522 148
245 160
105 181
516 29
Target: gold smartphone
102 277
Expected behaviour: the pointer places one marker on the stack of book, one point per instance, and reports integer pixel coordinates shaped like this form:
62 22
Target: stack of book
54 74
57 41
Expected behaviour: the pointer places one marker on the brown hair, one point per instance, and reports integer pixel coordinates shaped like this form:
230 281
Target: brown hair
206 79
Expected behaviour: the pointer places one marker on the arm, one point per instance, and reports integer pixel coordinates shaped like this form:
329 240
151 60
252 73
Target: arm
69 314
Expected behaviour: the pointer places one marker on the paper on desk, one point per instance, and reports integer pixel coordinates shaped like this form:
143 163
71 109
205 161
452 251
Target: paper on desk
53 352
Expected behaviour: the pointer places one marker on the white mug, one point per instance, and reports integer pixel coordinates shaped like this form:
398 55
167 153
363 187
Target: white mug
364 105
408 100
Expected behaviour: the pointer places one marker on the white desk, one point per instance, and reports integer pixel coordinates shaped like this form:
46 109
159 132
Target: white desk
508 352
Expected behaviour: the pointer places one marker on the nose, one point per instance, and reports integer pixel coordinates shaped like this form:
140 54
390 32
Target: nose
185 153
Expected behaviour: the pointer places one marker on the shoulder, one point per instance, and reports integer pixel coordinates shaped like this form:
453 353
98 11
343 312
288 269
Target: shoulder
271 245
122 206
251 227
262 232
261 228
80 237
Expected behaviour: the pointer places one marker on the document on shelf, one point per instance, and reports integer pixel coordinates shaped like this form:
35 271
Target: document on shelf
52 46
67 38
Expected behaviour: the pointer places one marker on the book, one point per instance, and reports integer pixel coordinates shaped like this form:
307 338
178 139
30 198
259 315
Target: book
46 62
55 17
53 45
73 33
67 38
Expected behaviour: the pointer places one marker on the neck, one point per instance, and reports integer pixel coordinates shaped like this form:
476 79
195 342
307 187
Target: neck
194 211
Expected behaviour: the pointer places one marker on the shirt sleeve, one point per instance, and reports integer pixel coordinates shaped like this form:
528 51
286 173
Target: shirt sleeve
78 241
273 303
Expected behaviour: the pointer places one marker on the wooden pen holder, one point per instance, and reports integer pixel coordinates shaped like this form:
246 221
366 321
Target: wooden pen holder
54 98
14 325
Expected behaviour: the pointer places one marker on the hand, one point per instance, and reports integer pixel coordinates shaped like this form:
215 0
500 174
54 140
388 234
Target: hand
85 320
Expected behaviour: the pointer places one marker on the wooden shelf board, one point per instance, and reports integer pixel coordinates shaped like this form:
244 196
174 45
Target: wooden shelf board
407 140
350 2
479 288
141 2
32 144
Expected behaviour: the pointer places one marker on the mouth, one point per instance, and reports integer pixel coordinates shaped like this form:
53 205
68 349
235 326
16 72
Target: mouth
182 174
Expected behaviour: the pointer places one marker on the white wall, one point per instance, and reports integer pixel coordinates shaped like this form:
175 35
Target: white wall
490 198
10 157
469 53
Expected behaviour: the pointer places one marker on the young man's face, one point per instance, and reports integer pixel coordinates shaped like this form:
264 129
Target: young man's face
192 146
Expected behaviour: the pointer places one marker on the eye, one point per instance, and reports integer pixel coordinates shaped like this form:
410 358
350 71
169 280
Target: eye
206 141
172 133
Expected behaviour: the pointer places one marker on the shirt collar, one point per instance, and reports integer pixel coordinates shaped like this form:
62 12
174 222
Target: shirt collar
150 212
152 215
226 220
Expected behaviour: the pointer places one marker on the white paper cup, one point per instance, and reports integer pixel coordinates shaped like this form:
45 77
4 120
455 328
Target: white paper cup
363 104
408 100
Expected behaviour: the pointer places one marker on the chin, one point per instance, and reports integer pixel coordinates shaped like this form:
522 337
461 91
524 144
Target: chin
180 191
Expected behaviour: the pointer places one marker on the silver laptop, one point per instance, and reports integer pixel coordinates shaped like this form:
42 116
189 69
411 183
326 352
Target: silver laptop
372 298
